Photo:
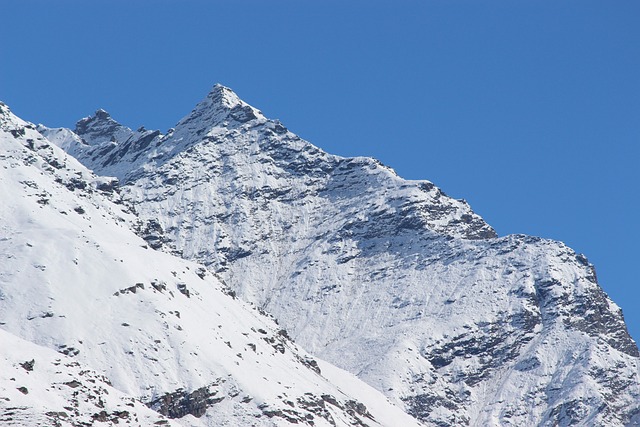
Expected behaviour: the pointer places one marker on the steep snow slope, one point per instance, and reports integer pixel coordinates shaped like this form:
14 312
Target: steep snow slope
76 279
41 387
387 278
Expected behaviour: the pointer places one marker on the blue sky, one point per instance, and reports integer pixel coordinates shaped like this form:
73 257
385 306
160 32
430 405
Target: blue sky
529 110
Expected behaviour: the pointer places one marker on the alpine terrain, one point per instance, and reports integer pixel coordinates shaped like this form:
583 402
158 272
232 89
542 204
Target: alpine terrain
230 273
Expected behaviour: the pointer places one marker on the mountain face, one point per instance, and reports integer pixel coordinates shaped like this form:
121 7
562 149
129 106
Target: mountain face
389 279
99 328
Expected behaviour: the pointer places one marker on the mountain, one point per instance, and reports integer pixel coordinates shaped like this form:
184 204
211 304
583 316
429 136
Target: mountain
99 328
389 279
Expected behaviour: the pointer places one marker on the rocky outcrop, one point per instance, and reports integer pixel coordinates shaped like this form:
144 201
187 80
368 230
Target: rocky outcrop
180 402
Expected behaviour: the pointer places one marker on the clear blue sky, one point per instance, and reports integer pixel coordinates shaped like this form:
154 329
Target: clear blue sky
530 110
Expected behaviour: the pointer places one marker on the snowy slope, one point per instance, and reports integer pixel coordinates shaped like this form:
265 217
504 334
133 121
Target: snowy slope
390 279
75 278
41 387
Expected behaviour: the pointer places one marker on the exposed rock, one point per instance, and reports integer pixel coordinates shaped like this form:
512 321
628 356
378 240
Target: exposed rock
180 402
28 365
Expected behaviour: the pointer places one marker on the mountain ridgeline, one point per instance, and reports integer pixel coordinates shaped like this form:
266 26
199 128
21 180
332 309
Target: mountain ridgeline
391 280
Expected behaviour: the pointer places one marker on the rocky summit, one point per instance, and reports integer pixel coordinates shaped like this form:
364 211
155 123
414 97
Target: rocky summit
163 262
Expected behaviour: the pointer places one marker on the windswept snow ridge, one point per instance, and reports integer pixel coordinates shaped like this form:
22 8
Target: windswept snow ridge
390 279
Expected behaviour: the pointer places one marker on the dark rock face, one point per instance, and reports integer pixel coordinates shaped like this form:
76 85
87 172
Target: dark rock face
591 313
180 402
100 125
494 342
587 312
133 147
28 365
421 405
113 417
308 407
153 233
182 288
490 345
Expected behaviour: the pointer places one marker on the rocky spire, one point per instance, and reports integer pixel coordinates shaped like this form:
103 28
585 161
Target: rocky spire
221 107
101 128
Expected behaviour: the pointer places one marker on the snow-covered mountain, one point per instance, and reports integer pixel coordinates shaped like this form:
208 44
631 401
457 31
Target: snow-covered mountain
390 279
132 325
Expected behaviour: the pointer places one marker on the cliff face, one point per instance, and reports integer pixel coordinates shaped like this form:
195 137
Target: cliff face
390 279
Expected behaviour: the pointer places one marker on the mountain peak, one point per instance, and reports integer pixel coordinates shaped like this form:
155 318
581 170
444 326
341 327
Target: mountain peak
223 96
99 116
221 107
102 114
100 128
